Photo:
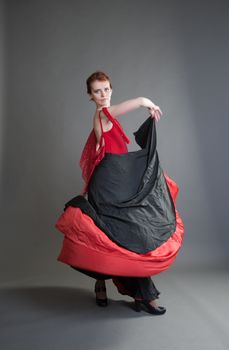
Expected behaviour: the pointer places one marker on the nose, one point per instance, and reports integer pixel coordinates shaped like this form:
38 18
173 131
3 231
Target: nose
103 93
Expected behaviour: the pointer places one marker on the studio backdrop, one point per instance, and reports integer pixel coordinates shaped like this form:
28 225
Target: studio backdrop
174 53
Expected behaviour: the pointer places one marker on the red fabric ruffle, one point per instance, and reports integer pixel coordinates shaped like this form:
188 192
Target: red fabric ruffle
90 159
86 246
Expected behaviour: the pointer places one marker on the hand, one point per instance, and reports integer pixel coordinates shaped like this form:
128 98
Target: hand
155 112
153 109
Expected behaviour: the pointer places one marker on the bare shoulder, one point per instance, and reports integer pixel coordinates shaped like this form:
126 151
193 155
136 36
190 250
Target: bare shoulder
112 111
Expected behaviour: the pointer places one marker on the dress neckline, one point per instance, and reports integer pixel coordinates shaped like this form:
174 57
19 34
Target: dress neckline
116 124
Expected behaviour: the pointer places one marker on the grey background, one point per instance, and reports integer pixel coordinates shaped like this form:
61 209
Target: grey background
175 53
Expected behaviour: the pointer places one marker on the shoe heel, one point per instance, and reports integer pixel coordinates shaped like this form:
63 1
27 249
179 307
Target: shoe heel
100 302
137 305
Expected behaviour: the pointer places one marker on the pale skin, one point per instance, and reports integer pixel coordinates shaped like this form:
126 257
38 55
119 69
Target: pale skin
101 94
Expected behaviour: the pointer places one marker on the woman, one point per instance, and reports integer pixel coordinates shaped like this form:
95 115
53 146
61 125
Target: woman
104 154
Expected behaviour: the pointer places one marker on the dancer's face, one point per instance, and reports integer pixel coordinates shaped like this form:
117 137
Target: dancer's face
101 93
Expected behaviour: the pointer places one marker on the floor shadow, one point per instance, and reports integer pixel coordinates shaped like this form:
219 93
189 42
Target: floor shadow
51 317
61 301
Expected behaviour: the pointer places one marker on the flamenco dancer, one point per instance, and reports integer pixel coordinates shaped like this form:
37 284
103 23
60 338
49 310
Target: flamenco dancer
124 225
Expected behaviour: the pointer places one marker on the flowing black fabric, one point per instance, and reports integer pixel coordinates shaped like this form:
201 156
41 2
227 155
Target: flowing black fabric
128 197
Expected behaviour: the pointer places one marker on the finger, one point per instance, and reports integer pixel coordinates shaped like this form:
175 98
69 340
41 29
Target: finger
158 115
159 110
155 117
151 110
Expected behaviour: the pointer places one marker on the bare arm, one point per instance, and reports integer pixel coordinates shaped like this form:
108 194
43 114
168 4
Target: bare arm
98 131
129 105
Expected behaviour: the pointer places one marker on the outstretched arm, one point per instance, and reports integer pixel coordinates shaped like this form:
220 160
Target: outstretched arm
129 105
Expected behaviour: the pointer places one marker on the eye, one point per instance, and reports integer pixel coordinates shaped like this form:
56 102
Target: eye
107 89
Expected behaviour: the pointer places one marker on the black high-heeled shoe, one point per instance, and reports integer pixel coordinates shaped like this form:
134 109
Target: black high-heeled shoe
100 302
159 310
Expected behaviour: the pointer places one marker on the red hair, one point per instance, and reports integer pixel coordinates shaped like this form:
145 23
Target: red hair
98 75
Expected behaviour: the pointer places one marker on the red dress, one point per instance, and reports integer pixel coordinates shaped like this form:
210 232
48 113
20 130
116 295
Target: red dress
113 142
86 246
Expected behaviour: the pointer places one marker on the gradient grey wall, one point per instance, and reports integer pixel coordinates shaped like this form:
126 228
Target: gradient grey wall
174 52
2 89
